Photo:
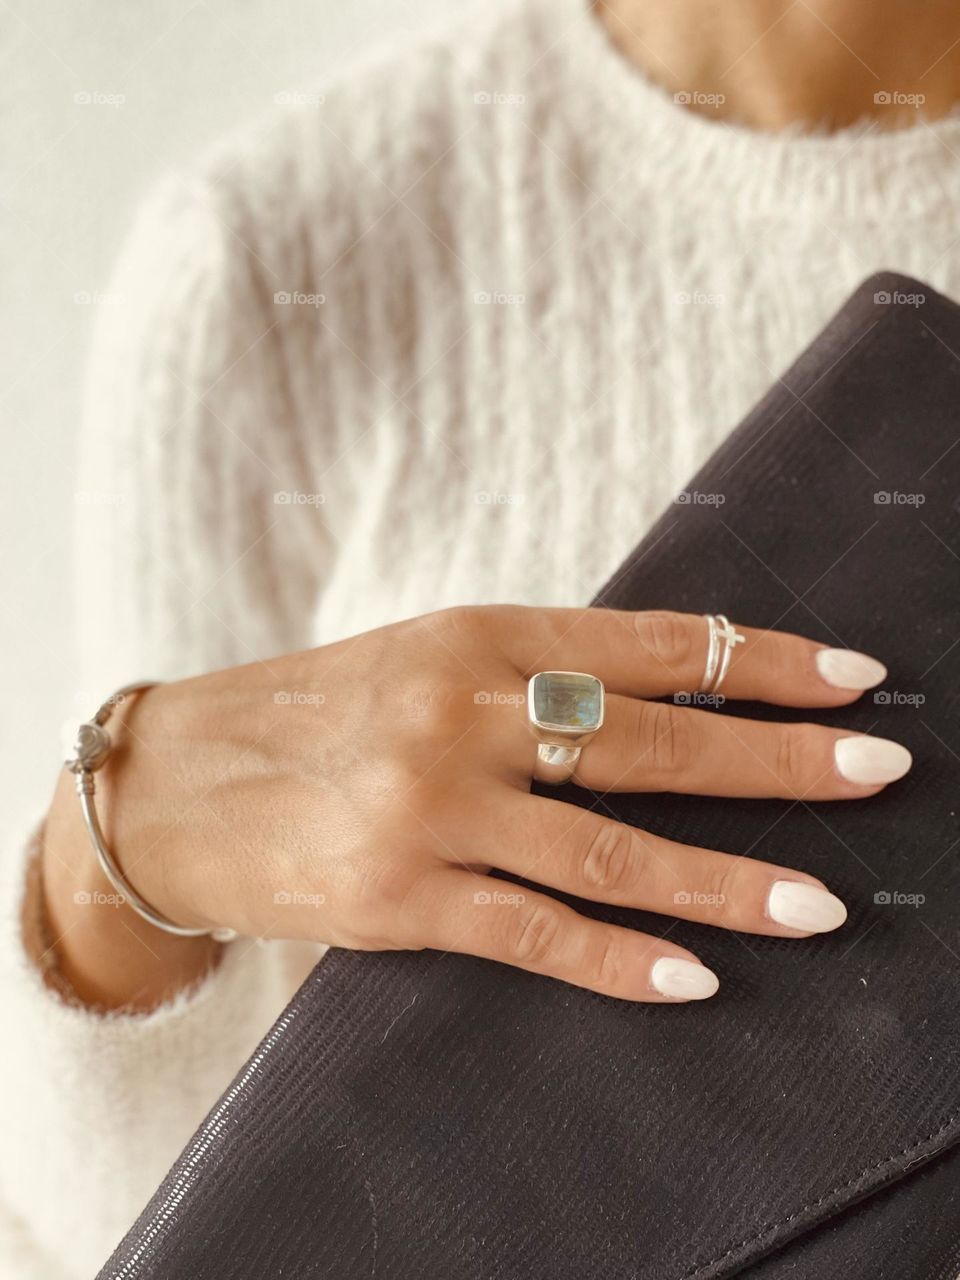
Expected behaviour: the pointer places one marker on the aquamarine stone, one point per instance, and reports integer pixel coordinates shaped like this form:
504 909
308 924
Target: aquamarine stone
567 700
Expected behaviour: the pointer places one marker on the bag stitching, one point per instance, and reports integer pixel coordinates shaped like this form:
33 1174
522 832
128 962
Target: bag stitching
814 1204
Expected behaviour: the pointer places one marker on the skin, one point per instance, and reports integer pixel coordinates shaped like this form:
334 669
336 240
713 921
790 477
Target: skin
816 63
393 804
357 794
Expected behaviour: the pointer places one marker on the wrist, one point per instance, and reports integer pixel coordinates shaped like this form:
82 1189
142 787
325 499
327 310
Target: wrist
106 953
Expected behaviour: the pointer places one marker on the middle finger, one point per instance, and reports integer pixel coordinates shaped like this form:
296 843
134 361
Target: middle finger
656 746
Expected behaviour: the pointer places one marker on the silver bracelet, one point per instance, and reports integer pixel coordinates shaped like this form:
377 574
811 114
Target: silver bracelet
93 746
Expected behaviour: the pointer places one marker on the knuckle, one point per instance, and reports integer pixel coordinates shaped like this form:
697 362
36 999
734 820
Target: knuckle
375 890
666 635
458 618
534 935
796 757
609 862
667 738
434 708
722 887
607 967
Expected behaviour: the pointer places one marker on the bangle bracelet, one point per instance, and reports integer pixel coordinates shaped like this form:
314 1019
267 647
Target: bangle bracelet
93 746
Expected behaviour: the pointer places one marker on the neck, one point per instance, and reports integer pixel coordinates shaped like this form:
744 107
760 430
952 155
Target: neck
815 63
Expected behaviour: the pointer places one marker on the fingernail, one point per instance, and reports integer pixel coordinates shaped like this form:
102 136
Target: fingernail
805 906
847 669
871 760
685 979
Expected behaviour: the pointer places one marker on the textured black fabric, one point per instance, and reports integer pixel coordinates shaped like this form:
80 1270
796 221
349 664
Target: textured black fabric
426 1116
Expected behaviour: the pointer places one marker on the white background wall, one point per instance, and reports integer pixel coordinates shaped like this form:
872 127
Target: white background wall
70 174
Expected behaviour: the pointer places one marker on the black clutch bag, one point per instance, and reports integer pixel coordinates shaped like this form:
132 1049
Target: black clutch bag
437 1117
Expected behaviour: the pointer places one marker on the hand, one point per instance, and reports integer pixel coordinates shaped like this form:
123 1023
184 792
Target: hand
357 794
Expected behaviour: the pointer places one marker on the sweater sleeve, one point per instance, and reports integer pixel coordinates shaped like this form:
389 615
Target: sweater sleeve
187 561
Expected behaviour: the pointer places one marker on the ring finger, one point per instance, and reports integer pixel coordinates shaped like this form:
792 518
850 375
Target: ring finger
596 858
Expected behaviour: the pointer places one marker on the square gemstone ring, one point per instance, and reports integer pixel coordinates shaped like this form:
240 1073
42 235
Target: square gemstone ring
564 705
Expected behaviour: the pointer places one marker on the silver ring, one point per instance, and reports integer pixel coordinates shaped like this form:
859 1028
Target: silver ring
719 632
565 710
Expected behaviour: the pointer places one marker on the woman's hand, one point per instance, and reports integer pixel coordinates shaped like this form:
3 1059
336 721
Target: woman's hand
357 794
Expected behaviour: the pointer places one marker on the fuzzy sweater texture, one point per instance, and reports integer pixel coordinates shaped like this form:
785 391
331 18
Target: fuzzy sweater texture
454 330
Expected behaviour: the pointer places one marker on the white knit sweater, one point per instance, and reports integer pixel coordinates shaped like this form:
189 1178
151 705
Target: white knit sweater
529 295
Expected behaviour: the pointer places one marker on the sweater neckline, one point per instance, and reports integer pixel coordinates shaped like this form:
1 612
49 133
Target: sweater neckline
858 172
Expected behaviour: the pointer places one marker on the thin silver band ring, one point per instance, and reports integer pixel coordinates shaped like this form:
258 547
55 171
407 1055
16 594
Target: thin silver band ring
720 633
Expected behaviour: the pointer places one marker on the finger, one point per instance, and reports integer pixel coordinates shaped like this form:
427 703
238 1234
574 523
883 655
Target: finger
500 921
594 857
654 654
655 746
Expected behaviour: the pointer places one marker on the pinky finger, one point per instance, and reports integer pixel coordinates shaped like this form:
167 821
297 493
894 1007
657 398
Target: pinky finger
501 921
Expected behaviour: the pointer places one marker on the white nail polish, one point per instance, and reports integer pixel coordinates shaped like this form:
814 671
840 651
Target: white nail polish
805 906
847 669
683 979
871 760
